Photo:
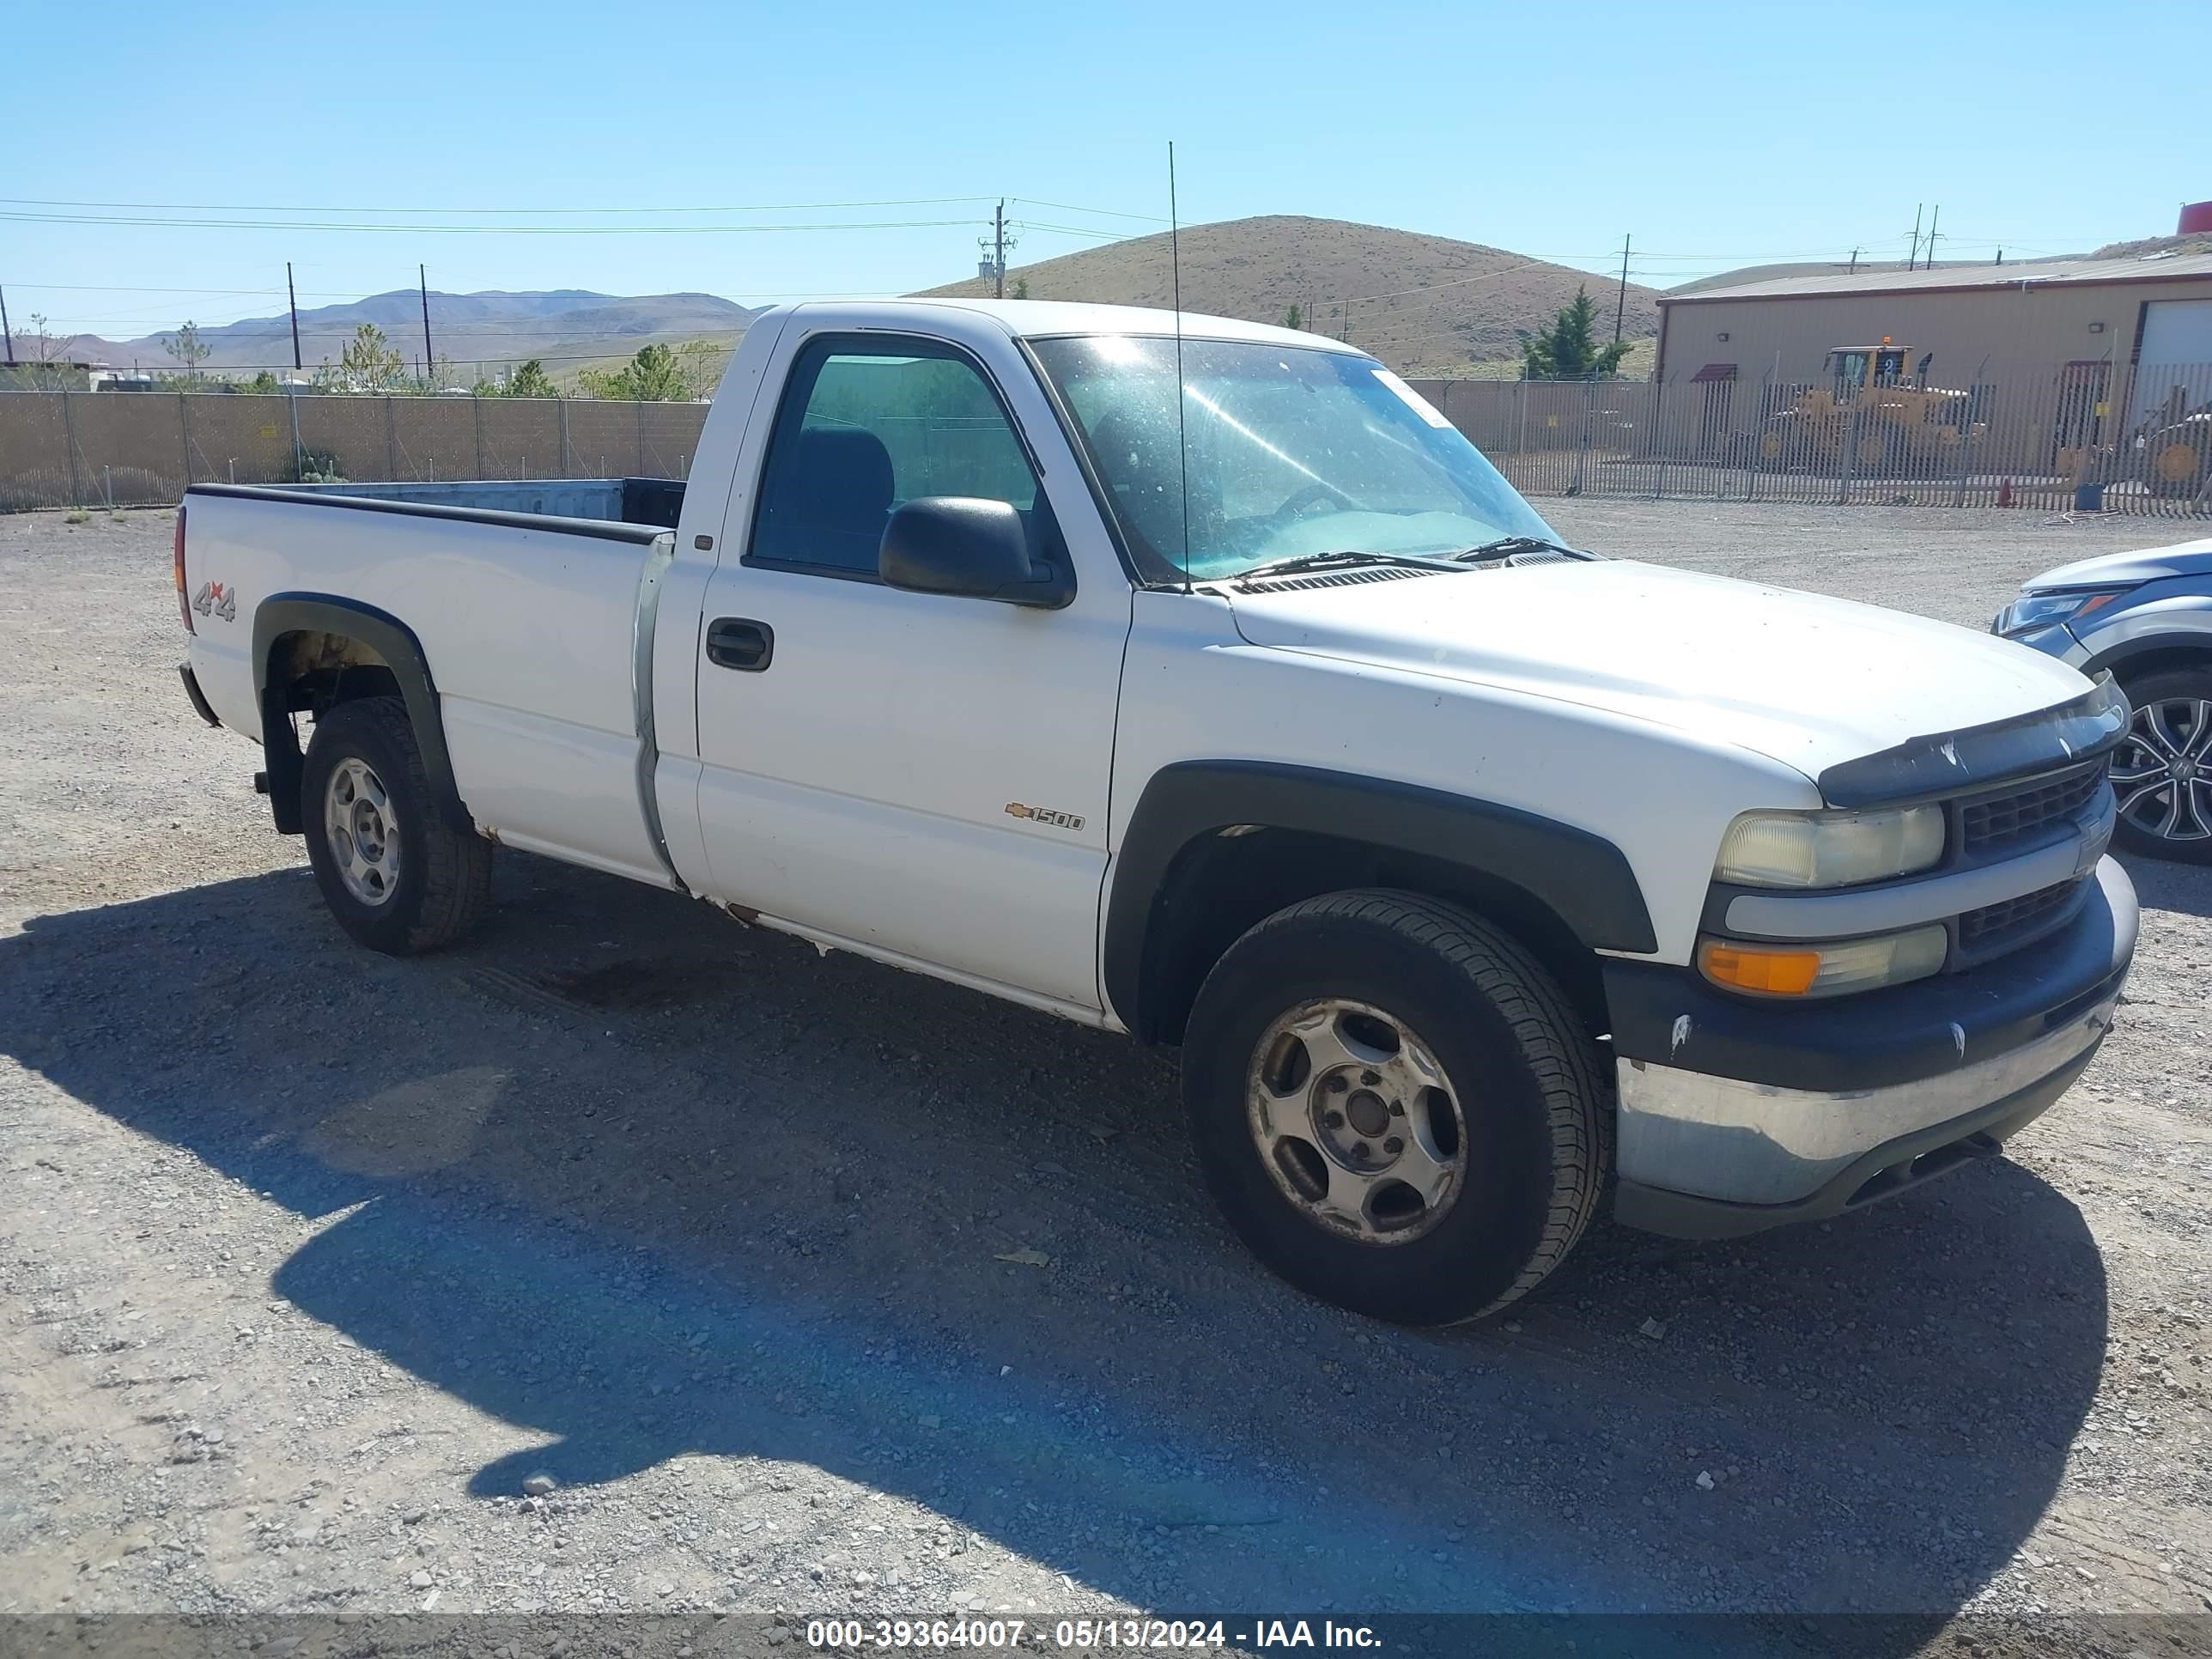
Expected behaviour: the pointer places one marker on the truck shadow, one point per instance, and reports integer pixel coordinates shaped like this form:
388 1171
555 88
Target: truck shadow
649 1185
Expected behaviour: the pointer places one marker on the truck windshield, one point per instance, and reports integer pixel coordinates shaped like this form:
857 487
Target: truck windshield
1290 451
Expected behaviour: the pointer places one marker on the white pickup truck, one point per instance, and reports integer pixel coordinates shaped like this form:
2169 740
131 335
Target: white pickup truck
1470 872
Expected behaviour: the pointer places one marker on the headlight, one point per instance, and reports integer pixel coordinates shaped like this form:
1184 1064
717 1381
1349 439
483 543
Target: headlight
1829 849
1823 970
2033 611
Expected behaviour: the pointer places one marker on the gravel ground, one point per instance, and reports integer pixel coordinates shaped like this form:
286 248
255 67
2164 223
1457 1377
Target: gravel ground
805 1285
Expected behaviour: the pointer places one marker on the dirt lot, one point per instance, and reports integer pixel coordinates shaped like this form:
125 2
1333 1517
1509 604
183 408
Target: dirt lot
311 1258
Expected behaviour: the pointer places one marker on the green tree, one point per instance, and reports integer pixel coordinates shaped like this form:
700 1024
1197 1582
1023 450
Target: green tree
368 364
1568 349
188 349
1294 318
530 381
1021 288
657 375
263 383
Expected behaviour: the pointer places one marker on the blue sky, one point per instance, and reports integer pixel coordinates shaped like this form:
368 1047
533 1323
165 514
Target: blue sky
1717 134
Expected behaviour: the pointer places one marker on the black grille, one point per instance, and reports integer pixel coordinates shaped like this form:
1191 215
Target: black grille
1996 820
1994 924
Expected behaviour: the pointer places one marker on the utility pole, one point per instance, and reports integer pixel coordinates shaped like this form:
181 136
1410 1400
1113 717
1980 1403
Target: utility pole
1913 259
998 253
1934 219
1855 264
5 330
290 294
430 362
1620 305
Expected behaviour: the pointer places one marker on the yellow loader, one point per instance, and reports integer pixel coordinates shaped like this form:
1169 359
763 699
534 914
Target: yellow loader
1884 413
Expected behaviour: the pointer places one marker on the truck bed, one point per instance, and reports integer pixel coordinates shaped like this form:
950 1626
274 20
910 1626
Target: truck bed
651 504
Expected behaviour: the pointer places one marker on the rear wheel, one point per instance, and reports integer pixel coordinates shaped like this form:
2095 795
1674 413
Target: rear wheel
2162 772
1395 1106
395 872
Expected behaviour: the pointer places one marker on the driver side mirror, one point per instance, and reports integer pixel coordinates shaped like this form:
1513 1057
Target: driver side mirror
969 547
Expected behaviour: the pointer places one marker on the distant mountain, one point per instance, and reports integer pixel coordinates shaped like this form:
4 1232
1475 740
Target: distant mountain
1422 304
560 325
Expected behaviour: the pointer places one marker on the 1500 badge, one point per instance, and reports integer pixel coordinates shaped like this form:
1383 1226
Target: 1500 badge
1044 815
214 599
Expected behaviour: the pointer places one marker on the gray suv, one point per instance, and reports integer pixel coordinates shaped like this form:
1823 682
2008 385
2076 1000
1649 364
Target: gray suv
2147 617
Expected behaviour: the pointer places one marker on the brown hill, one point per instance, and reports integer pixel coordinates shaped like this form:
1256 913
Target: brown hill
1425 305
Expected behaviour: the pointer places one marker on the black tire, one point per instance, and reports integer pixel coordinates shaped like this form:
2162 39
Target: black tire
442 879
2137 756
1538 1137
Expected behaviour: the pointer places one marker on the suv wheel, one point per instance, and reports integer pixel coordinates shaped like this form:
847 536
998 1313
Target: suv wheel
2162 771
1395 1106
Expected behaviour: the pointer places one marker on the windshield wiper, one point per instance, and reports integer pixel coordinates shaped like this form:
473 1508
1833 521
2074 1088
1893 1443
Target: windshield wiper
1343 559
1506 546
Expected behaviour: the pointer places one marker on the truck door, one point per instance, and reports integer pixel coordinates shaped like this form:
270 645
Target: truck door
921 775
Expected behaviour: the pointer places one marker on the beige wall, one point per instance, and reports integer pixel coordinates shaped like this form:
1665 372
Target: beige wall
1979 336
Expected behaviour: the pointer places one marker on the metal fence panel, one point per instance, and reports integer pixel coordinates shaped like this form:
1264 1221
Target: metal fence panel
36 453
605 440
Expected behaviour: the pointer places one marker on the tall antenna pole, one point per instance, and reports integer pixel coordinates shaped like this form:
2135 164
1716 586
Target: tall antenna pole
5 330
1182 437
293 297
430 362
999 256
1620 305
1912 259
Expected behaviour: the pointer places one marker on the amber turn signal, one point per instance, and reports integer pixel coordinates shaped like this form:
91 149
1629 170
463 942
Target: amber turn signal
1826 969
1774 971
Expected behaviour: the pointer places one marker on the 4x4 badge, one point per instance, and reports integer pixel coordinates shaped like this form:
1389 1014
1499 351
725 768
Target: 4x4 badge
214 599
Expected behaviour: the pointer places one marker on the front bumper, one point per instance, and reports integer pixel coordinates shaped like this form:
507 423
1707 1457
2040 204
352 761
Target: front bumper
1736 1116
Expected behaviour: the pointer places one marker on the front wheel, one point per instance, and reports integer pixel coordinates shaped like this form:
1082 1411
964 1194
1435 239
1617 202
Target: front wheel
2162 770
1395 1106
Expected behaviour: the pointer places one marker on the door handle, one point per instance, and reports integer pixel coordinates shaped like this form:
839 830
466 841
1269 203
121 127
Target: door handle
740 643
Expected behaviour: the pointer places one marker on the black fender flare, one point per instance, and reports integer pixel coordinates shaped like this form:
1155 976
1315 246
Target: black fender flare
1584 878
283 614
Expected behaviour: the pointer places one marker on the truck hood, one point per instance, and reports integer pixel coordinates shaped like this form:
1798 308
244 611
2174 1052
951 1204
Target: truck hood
2149 564
1807 681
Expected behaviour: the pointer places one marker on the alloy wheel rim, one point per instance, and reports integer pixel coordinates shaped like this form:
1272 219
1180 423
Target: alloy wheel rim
2162 774
362 831
1356 1122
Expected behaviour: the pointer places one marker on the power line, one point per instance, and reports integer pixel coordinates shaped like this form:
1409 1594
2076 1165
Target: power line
478 230
513 212
1106 213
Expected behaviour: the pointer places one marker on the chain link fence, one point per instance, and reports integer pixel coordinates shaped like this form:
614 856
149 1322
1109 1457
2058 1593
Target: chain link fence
2091 437
142 449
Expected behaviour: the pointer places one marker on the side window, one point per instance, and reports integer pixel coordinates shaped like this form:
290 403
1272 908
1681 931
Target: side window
866 427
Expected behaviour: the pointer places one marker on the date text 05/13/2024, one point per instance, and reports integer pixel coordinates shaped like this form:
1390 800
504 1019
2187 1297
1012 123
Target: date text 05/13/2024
1083 1635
